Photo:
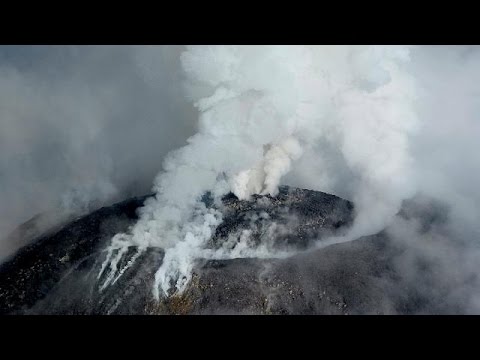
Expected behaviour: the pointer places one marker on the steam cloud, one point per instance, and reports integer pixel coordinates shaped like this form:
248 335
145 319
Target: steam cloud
373 124
84 126
260 109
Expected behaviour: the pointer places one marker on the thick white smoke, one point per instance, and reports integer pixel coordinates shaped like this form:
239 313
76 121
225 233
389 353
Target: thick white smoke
261 109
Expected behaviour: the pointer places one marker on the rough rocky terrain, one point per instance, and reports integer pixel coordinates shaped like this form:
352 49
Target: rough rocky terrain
57 273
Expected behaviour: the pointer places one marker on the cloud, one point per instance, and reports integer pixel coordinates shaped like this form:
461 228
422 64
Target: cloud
378 125
82 126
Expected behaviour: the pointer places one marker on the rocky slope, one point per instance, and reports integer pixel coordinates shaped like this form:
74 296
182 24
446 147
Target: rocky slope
57 274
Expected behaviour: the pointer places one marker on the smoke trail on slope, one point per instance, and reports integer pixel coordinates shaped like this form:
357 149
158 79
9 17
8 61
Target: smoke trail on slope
261 108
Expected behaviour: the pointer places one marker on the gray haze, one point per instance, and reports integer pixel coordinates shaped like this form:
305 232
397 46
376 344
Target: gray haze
81 126
84 126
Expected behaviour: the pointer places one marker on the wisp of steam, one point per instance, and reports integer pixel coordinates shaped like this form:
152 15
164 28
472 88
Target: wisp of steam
261 111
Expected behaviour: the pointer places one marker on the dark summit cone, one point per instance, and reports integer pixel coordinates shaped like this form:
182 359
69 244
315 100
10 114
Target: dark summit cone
58 273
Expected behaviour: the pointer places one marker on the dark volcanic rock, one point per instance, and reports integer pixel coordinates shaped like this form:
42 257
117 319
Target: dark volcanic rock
48 263
57 274
311 214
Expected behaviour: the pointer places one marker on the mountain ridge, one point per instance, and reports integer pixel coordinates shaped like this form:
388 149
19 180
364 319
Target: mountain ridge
57 274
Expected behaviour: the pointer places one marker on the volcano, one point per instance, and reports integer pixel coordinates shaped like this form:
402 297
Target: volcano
58 273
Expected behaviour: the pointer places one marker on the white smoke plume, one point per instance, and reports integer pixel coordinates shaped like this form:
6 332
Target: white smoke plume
260 109
83 126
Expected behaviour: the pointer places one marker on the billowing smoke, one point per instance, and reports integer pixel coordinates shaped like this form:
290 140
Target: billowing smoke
377 125
262 107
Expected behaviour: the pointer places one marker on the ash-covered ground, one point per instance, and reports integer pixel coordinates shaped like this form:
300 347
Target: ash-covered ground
58 273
